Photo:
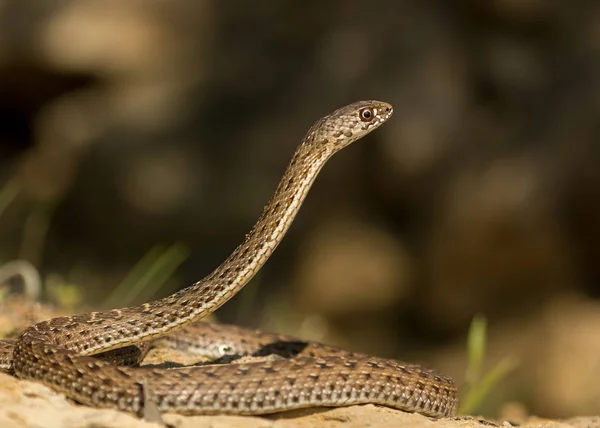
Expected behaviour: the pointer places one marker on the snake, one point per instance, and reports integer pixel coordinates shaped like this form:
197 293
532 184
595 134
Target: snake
94 358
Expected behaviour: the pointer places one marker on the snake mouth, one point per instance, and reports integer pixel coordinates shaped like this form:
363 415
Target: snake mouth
383 111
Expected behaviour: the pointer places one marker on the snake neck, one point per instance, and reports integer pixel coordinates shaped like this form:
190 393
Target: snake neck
208 294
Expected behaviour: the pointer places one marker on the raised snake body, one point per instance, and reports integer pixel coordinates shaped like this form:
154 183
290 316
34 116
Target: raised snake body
59 352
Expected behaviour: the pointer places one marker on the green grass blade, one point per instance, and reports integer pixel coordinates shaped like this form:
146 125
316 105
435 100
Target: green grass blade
148 275
477 388
476 348
478 393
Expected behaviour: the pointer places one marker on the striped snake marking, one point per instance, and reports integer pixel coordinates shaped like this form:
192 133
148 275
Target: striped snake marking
89 357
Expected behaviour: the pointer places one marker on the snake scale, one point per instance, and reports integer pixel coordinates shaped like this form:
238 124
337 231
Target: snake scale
88 357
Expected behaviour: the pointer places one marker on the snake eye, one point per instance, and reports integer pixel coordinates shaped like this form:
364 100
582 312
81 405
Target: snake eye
367 114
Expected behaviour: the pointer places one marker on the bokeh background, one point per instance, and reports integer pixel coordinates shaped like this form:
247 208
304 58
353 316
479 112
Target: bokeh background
155 131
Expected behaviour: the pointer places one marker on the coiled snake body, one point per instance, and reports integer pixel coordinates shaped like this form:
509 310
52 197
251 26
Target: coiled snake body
59 352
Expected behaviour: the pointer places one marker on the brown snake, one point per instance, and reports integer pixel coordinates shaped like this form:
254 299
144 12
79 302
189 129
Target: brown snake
59 352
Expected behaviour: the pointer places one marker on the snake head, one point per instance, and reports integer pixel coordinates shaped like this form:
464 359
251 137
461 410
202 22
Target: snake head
349 123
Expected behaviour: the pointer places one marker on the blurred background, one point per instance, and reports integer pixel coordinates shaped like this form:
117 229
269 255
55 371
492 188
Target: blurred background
140 139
